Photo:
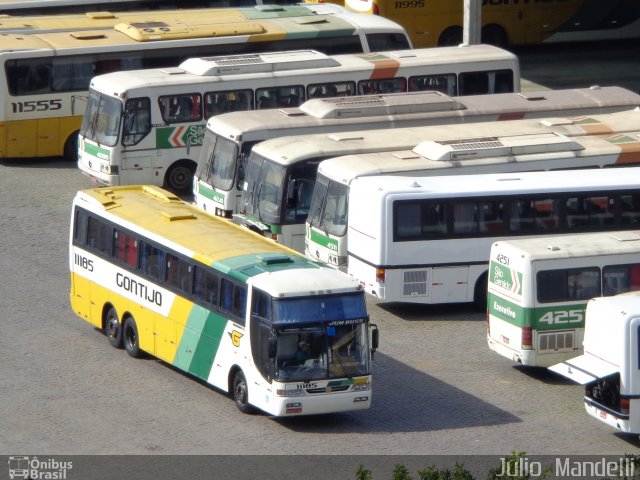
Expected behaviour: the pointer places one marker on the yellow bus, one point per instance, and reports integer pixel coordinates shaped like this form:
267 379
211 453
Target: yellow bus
191 13
45 77
66 7
510 22
277 331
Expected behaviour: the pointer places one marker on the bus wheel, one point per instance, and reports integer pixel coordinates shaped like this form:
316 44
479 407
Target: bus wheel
480 293
113 329
71 147
451 37
241 392
495 35
131 338
179 178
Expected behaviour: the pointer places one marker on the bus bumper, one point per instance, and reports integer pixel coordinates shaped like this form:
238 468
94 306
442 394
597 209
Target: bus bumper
319 404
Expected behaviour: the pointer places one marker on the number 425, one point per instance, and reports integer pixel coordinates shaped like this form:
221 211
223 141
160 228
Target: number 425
570 316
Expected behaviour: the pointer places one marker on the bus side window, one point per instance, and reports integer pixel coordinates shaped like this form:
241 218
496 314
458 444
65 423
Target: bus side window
445 83
125 248
179 273
137 120
233 299
80 227
473 83
151 260
99 236
205 285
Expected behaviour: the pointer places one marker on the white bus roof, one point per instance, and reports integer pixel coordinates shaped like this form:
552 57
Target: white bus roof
417 107
207 70
572 245
490 185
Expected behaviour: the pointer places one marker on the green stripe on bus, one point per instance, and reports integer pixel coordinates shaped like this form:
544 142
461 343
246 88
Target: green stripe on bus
323 240
505 278
200 341
180 136
505 310
96 151
210 193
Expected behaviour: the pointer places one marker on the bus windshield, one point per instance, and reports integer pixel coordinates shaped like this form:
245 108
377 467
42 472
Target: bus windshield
321 349
101 121
217 165
329 207
278 194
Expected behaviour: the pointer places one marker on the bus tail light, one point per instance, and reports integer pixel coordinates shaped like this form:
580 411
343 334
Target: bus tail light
624 406
488 324
380 275
376 9
527 338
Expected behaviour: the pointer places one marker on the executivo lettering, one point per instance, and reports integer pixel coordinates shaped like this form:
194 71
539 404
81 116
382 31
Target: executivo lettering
504 310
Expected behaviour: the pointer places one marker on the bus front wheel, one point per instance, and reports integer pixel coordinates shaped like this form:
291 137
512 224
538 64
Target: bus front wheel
241 392
112 328
131 338
179 177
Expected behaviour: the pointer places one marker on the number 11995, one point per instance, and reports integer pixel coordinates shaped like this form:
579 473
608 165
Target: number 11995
410 4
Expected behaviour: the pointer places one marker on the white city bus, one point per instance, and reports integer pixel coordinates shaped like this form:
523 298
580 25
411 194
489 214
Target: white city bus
463 150
229 137
220 303
539 288
160 115
427 240
45 76
610 366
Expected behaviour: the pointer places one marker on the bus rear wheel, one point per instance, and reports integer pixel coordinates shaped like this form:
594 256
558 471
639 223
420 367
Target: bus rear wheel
179 177
451 37
131 338
113 329
495 35
480 293
71 147
241 393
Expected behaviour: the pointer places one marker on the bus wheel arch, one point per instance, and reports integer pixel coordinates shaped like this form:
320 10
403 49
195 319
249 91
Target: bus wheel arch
111 326
494 34
450 37
480 292
70 151
179 176
239 389
130 337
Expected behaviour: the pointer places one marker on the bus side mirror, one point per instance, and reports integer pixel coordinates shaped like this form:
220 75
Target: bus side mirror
240 171
375 338
291 193
271 347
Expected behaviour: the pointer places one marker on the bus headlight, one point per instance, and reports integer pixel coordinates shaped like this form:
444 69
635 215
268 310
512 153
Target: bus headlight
281 392
358 387
108 169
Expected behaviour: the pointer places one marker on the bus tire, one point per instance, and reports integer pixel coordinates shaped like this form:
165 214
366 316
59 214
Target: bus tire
480 293
451 37
495 35
179 177
131 338
241 392
113 328
71 147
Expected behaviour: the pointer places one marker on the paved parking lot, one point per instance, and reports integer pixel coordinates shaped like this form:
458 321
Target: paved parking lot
438 389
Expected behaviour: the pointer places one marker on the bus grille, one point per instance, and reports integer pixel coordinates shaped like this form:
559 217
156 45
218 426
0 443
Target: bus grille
556 341
415 283
337 388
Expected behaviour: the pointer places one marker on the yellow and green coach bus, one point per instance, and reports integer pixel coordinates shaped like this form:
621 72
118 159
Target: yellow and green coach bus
279 332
